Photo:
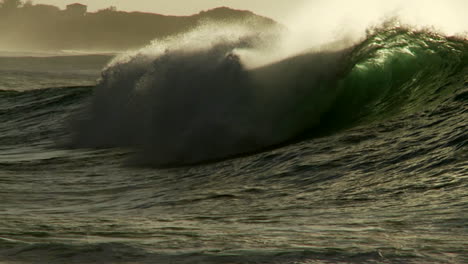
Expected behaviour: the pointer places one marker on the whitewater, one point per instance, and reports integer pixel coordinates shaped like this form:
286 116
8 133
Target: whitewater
230 145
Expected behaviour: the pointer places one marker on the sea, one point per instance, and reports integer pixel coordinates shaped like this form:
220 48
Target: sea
179 153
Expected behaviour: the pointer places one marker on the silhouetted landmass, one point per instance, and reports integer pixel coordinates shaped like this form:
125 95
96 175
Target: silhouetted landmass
46 27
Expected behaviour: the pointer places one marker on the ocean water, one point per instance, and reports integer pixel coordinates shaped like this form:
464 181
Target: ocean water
356 155
20 72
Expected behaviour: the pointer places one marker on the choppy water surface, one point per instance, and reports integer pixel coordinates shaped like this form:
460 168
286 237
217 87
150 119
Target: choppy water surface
377 175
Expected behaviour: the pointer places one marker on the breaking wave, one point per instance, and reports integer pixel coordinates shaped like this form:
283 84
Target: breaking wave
192 99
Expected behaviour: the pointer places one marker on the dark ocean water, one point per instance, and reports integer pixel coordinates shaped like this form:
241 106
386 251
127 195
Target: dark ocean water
168 159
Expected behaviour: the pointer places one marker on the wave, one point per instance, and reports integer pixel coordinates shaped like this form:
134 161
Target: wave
191 100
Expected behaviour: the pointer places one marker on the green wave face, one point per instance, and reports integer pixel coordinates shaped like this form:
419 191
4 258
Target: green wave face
398 71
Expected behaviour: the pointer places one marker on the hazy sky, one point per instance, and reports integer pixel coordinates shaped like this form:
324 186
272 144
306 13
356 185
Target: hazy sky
449 15
275 9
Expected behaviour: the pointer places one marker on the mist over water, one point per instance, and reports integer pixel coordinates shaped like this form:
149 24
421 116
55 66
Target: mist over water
316 24
327 25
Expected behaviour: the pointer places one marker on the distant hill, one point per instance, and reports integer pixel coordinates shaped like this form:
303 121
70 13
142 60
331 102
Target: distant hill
47 28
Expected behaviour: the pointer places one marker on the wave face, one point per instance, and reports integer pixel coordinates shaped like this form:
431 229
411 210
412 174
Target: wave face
184 105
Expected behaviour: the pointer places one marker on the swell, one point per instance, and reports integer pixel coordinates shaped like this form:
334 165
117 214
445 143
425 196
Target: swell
181 106
29 117
17 105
